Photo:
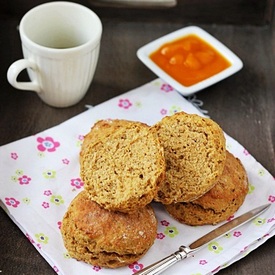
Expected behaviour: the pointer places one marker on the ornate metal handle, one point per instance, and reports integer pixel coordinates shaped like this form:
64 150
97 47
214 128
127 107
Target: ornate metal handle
165 263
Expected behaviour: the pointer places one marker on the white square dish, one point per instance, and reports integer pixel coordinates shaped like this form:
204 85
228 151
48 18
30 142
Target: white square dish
235 63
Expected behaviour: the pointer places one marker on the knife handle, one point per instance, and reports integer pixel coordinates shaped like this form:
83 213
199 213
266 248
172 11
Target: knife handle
165 263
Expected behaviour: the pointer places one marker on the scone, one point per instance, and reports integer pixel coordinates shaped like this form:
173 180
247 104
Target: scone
105 238
122 164
194 149
222 201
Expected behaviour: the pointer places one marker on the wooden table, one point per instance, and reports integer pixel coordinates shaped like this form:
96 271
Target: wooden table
243 104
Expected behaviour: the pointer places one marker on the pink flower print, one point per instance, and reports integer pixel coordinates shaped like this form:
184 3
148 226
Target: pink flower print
65 161
29 238
245 152
216 270
80 137
78 183
202 262
24 180
230 218
237 234
124 103
47 144
166 88
14 156
59 224
79 141
48 193
160 236
136 267
55 268
271 198
163 112
45 205
12 202
164 223
271 220
244 249
96 268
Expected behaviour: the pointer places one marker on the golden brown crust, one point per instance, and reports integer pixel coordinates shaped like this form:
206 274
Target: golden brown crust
222 201
106 238
194 149
122 164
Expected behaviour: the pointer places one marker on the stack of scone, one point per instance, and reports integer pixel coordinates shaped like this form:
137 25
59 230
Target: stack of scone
180 162
204 184
110 223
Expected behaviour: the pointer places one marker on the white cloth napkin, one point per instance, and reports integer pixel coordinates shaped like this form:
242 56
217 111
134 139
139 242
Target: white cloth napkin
40 177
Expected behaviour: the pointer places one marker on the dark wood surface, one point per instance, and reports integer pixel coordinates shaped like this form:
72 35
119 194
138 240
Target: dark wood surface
235 12
243 104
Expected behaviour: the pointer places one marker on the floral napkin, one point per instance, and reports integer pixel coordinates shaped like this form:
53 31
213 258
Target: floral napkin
40 177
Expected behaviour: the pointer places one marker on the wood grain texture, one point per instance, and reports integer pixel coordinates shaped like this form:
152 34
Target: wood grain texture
253 12
243 104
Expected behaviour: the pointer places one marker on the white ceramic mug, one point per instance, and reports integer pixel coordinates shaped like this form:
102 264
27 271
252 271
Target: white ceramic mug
60 43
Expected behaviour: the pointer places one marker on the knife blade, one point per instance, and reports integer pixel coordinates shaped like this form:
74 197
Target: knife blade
187 251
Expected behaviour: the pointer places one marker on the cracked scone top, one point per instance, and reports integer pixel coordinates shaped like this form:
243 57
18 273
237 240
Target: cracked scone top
194 150
107 238
121 164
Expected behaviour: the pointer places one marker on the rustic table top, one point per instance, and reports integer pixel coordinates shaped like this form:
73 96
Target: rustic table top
243 104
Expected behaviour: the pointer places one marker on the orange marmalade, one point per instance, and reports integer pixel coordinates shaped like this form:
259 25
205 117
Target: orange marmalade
189 60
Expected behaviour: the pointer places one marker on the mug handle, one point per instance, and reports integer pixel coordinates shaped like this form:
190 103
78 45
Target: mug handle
15 69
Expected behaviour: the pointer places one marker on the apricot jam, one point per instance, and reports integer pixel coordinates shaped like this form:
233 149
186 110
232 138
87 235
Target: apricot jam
189 60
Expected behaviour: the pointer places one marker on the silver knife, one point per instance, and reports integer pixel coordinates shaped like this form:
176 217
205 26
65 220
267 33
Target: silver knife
186 251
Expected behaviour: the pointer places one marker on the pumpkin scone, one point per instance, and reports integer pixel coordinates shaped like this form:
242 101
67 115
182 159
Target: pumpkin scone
194 150
218 204
105 238
122 164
